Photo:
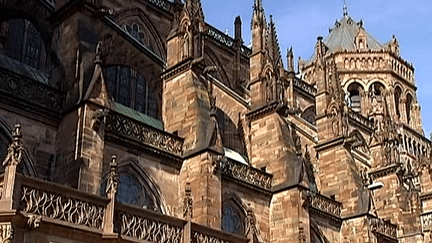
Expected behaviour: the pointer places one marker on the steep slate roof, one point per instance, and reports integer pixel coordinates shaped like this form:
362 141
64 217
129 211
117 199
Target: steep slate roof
23 69
342 36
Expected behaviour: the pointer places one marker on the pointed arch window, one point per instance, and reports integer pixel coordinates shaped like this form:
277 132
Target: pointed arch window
232 218
130 88
20 40
134 189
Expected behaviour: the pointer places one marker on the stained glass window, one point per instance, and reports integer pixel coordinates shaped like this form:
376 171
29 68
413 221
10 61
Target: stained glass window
130 88
22 42
232 220
132 191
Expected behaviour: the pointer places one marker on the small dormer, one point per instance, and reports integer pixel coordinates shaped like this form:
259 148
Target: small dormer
361 39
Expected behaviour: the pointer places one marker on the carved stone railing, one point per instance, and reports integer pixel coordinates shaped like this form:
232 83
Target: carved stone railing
382 227
361 119
201 234
219 36
30 90
326 205
245 50
245 173
426 220
61 203
144 133
146 225
163 4
305 87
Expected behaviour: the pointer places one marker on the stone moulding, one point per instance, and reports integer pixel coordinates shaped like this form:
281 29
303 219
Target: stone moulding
382 227
381 172
143 133
30 90
246 173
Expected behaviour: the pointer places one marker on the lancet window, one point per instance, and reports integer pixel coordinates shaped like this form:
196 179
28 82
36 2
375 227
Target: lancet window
130 88
20 40
309 115
408 105
397 96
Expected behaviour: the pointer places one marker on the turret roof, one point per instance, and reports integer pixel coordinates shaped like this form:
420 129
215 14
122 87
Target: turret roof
342 36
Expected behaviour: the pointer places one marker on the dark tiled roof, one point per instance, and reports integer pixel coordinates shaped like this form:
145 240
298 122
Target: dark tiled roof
342 36
129 112
23 69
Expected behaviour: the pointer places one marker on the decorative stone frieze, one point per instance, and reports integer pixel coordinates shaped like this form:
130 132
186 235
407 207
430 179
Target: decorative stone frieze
325 204
6 232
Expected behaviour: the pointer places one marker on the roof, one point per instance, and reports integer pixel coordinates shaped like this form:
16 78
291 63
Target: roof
342 36
129 112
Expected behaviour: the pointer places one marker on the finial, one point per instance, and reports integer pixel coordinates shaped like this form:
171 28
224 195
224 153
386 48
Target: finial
17 132
345 9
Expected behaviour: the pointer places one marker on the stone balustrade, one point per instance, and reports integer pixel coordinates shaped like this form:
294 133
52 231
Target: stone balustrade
163 4
327 205
382 227
305 87
63 206
356 116
29 90
143 133
245 173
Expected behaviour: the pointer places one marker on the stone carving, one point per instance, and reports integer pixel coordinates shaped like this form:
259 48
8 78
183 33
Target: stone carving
326 205
426 220
15 149
250 221
382 227
6 233
112 183
198 237
245 173
30 90
99 117
143 133
34 221
188 203
55 206
148 229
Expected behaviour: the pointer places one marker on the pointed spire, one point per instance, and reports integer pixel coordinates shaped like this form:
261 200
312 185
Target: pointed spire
345 9
290 60
272 43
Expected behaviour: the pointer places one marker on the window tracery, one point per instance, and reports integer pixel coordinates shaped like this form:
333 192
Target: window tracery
232 219
20 40
130 88
139 34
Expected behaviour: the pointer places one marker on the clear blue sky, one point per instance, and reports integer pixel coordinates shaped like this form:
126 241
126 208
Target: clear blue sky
299 23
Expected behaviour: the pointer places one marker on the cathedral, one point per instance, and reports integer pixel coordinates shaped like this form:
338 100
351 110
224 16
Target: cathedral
137 121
